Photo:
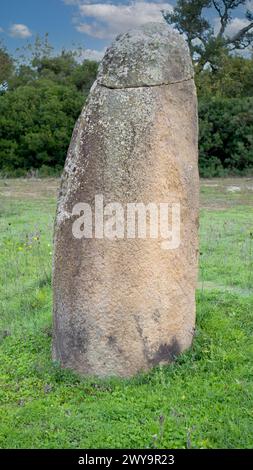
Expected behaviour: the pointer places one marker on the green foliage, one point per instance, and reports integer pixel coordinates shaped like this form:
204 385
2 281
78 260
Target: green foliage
232 80
36 123
45 94
6 65
226 136
65 70
226 118
203 400
39 108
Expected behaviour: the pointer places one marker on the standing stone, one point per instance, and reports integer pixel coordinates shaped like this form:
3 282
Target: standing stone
125 305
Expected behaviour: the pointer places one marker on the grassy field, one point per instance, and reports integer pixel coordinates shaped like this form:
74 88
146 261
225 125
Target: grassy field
203 400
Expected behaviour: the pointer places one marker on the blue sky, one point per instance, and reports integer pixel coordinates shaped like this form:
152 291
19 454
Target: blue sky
91 24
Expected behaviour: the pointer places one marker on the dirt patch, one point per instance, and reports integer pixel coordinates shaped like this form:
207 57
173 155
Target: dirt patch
214 194
224 193
29 188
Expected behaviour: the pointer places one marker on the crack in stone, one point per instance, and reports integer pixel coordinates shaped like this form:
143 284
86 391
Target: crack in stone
126 87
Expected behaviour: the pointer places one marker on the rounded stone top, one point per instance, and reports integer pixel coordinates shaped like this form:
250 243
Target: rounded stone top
153 54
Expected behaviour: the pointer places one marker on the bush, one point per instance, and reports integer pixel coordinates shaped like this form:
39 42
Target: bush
40 101
226 136
36 124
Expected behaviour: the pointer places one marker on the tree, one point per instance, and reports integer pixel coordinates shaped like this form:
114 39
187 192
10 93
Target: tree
44 97
38 61
65 69
36 122
232 80
206 45
226 136
6 66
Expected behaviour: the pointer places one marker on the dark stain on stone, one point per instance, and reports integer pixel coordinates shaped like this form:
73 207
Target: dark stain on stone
77 341
156 316
112 340
166 352
70 342
144 339
138 326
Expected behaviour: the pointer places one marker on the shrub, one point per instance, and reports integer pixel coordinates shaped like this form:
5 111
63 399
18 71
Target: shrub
226 136
36 123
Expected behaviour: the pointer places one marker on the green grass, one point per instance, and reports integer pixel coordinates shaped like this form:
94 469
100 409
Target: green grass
203 400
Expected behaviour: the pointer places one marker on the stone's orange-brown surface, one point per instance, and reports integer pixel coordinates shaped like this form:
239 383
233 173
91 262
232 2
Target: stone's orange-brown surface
126 305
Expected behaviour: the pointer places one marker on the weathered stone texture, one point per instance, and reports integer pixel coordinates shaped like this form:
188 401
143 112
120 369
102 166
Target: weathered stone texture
126 305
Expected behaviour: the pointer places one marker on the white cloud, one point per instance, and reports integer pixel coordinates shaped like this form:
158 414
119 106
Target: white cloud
236 25
106 20
92 54
249 5
20 31
1 30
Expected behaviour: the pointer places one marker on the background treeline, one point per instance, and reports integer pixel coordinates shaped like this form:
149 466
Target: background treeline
225 98
41 98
